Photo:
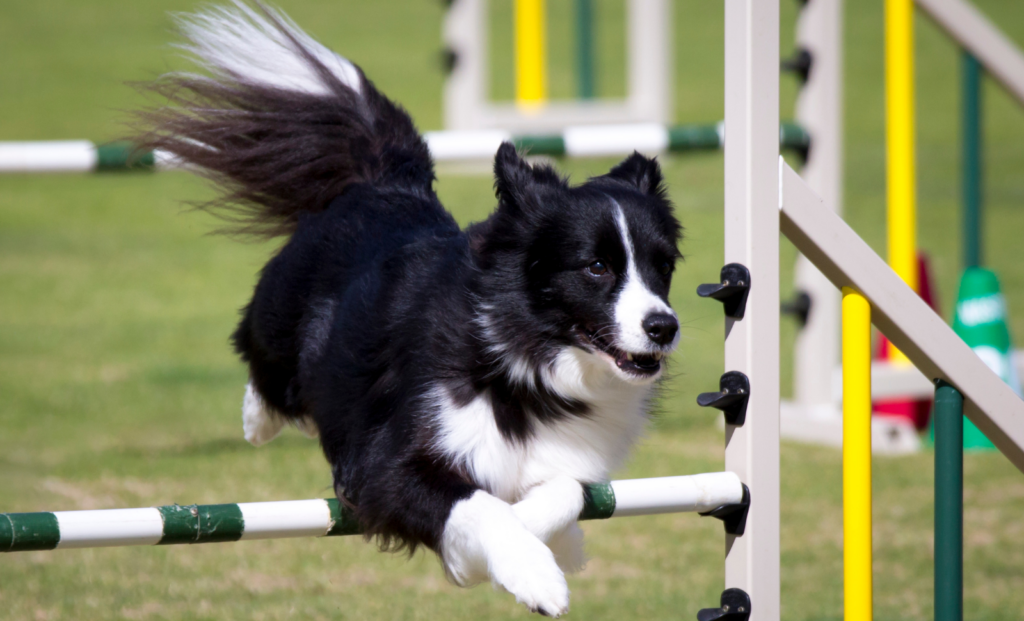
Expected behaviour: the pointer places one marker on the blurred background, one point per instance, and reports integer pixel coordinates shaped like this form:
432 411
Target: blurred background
118 387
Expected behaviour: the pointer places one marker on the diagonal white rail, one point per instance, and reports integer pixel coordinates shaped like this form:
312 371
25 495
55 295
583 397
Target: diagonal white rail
969 26
901 314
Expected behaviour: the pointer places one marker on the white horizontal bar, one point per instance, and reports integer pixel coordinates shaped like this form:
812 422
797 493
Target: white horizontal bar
598 140
48 156
698 492
889 381
901 314
969 26
109 527
465 144
289 518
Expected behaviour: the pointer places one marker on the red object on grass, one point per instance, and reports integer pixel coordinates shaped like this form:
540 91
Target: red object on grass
918 412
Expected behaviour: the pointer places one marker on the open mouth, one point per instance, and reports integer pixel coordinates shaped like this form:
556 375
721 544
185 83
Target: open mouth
640 365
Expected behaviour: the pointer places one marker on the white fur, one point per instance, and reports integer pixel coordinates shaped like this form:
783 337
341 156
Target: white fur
541 475
260 422
550 511
567 546
484 539
239 42
519 369
636 301
585 448
548 508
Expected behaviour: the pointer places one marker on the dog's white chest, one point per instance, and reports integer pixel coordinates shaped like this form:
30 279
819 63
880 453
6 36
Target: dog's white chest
586 448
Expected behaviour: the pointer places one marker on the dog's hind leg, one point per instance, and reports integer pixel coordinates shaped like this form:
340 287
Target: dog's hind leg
550 511
483 537
261 423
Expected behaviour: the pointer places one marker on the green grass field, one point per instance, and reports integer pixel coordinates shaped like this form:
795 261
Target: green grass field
118 389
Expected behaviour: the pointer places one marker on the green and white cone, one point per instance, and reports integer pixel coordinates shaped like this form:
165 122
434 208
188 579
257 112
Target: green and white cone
980 320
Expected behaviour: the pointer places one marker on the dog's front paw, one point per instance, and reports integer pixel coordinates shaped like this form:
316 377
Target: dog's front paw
527 569
483 537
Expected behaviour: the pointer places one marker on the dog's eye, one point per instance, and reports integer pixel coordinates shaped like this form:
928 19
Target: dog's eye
597 268
665 268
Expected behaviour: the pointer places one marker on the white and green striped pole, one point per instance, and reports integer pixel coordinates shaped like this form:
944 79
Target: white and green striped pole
599 140
714 493
60 156
582 141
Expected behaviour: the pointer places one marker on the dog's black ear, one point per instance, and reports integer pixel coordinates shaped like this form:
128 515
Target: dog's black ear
642 172
511 174
514 178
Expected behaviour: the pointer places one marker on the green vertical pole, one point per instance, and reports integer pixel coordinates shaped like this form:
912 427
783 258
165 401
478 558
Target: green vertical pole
585 47
949 503
971 80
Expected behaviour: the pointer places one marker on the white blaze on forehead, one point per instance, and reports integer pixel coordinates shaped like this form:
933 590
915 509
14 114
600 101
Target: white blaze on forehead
636 301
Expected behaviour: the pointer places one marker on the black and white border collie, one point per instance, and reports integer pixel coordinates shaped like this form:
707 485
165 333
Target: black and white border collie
463 383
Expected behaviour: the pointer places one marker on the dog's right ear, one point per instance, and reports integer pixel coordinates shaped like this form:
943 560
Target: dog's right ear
515 180
642 172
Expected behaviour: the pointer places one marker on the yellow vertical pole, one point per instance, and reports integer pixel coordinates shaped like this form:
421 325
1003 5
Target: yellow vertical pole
531 53
856 456
899 121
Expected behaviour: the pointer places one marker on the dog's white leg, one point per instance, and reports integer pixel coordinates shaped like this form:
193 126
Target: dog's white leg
260 422
567 546
550 511
551 506
483 537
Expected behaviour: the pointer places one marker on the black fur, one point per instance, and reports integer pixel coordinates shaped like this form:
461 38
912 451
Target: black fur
376 299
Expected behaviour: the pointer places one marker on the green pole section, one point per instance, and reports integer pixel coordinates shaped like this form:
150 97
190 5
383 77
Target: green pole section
693 137
28 531
201 524
344 522
123 156
550 144
598 501
792 136
585 47
971 163
949 503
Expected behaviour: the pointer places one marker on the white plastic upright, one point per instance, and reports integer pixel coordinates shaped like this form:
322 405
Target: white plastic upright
752 238
465 87
649 80
819 111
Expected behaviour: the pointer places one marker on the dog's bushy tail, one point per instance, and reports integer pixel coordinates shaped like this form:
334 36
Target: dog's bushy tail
281 124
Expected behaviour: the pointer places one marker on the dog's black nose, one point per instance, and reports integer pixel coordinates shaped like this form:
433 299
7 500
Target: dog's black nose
661 328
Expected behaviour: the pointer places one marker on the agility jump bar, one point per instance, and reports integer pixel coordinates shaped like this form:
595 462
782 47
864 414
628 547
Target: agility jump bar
600 140
57 156
718 493
457 145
